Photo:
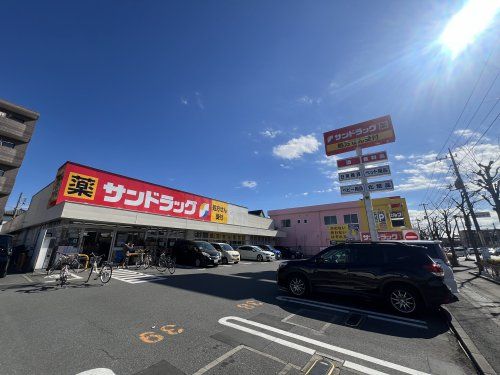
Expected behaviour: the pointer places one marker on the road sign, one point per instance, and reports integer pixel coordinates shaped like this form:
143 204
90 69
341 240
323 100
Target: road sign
380 186
365 134
410 235
382 170
368 173
483 214
352 189
376 157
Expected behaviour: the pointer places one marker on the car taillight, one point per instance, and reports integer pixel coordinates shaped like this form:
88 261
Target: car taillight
435 269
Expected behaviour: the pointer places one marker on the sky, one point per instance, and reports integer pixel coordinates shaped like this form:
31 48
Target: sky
230 99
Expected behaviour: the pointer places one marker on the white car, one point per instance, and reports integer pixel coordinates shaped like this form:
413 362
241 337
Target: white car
255 253
436 253
460 251
228 254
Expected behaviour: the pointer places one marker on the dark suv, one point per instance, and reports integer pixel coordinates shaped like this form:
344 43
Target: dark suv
402 274
196 253
5 253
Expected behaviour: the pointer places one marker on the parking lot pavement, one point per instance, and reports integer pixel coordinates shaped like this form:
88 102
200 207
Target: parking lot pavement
223 320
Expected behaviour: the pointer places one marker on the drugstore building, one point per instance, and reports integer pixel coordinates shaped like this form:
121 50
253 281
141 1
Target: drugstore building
88 210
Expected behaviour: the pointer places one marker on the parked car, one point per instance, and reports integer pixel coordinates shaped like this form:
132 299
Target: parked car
403 275
496 251
287 253
196 253
436 252
460 251
255 253
270 248
228 254
5 253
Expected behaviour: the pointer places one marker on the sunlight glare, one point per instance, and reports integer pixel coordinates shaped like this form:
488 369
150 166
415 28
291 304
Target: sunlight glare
467 24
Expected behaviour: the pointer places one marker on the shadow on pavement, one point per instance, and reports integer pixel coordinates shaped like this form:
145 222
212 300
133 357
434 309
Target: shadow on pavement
256 285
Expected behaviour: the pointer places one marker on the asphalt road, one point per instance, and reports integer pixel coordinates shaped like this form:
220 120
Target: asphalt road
225 320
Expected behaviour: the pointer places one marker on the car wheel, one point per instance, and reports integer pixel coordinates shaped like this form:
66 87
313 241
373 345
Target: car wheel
235 262
259 258
197 263
224 260
297 285
293 256
403 300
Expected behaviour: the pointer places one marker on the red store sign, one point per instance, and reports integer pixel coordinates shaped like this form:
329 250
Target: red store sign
376 157
81 184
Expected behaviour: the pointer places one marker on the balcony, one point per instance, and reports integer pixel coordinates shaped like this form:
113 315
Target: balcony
13 129
6 185
10 157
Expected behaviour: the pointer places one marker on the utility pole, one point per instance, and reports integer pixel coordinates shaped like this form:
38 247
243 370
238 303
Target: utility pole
18 204
428 220
459 184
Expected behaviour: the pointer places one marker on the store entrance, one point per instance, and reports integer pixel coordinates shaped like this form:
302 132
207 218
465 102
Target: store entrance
97 242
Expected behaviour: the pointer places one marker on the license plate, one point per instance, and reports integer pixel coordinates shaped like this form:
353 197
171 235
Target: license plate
216 261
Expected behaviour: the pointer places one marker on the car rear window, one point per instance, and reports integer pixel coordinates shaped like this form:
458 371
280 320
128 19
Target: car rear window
404 254
434 250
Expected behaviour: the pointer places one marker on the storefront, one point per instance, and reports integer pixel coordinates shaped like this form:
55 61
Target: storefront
87 210
313 228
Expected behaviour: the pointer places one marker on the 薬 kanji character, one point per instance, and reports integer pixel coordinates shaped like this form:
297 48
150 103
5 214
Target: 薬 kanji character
149 198
180 208
81 186
138 201
191 210
111 188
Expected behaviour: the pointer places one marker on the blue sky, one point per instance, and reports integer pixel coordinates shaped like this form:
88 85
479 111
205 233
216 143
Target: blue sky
200 95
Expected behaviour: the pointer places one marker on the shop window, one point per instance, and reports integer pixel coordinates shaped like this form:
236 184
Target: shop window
351 219
286 223
330 220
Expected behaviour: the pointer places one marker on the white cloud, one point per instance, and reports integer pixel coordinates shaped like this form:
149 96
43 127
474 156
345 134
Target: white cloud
199 100
309 100
399 157
285 166
328 161
184 101
467 133
305 193
270 133
416 183
249 184
295 148
256 152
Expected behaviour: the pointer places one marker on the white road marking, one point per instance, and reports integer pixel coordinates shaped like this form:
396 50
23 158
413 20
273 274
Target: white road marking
133 277
363 369
97 371
371 314
333 348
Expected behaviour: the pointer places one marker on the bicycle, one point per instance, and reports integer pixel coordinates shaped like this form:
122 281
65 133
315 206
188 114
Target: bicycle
104 273
142 259
73 260
165 261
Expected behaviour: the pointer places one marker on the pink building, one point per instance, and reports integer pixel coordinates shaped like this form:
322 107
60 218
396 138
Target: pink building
307 228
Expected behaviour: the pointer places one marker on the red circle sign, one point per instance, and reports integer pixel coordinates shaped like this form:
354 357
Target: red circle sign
411 236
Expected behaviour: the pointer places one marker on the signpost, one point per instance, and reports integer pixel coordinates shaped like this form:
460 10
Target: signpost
354 138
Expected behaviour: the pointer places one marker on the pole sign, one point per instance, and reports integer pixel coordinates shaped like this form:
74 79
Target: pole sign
380 186
368 173
383 236
365 134
376 157
483 214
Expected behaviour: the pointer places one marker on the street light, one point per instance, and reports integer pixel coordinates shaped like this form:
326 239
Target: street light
466 25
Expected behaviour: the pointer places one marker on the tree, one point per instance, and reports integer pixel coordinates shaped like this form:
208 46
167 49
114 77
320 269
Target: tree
447 225
489 184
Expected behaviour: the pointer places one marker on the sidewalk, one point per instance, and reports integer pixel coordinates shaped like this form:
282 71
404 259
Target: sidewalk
478 312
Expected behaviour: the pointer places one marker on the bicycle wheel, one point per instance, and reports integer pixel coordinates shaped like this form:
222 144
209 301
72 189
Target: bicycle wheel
135 263
147 261
78 265
162 264
106 272
171 265
52 268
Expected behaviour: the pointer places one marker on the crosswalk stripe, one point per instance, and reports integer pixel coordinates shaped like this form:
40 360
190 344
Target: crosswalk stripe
134 277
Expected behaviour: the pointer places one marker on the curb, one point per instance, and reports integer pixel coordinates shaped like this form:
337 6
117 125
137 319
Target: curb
480 363
484 277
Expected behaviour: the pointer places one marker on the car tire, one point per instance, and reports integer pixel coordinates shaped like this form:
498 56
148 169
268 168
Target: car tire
235 262
403 299
197 262
260 258
297 286
224 260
